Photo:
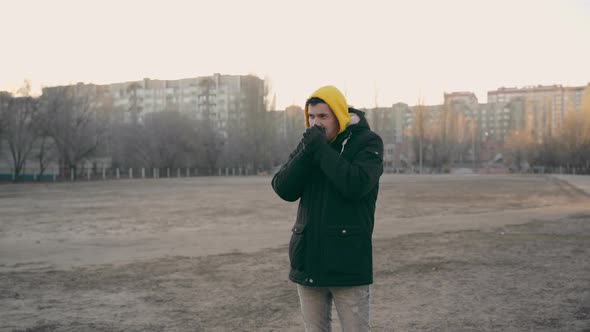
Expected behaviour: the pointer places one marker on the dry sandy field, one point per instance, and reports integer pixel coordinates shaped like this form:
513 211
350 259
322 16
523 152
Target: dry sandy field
452 253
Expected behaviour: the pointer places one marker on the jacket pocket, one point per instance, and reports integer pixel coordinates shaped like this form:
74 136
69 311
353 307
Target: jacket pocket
344 250
297 248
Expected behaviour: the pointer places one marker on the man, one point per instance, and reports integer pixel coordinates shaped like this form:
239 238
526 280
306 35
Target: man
334 172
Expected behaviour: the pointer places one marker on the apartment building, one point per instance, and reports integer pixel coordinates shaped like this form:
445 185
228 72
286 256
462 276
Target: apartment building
391 124
464 102
539 108
216 99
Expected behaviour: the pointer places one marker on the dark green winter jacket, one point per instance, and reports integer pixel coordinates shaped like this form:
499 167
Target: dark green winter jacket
337 189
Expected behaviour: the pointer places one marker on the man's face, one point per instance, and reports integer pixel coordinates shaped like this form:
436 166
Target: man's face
321 115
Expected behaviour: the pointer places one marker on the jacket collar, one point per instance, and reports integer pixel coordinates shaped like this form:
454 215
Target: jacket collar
353 126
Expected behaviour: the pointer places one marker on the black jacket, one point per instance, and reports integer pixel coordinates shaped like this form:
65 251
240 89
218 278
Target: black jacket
337 186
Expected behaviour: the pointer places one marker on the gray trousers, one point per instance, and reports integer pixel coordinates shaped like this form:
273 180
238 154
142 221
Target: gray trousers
352 305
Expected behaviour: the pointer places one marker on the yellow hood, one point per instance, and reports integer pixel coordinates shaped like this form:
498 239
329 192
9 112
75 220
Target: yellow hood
337 102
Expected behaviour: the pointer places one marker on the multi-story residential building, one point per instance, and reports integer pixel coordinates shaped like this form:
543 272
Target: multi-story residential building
391 123
223 102
402 114
433 115
494 121
464 102
540 108
215 99
490 121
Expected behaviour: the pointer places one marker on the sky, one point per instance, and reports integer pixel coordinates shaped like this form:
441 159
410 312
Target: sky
377 52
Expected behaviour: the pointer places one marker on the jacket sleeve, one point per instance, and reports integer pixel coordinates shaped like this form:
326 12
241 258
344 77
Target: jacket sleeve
357 177
290 180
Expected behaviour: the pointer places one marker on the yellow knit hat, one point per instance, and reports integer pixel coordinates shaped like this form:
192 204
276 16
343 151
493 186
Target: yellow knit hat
337 102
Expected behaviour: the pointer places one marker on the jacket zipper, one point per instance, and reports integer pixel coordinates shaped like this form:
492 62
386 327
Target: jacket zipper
345 141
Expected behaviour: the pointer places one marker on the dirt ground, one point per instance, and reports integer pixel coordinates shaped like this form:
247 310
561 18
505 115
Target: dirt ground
452 253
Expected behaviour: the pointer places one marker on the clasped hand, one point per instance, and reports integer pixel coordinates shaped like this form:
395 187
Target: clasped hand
313 137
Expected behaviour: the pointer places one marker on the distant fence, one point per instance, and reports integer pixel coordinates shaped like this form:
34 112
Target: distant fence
110 173
120 173
25 177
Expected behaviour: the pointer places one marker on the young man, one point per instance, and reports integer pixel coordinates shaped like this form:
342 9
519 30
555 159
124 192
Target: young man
334 172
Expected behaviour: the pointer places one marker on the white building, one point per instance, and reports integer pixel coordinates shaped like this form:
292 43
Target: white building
211 98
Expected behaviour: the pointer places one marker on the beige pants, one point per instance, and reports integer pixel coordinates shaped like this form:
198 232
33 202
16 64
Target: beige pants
352 305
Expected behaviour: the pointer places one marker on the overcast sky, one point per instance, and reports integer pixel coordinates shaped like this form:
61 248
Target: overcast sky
377 52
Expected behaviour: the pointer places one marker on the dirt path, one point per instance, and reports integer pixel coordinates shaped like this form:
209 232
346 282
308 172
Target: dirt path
451 254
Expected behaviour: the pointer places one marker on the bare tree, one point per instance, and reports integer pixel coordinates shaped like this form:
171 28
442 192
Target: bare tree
173 138
134 108
419 131
166 139
519 144
205 99
18 113
45 154
585 111
463 136
472 134
575 139
129 147
250 129
444 138
546 149
72 118
5 100
212 141
19 131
